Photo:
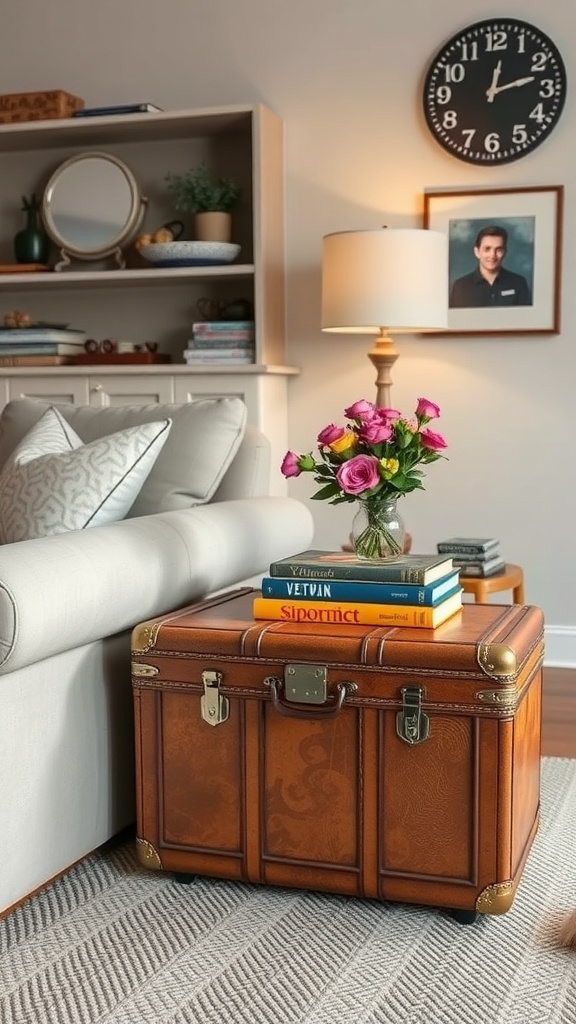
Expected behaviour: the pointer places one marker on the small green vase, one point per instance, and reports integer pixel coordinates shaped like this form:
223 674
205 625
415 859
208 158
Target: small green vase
31 244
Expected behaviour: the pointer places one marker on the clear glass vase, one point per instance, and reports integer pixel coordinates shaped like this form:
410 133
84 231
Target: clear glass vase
378 530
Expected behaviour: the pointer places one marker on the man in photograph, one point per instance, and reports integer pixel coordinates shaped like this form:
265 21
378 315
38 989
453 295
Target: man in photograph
490 284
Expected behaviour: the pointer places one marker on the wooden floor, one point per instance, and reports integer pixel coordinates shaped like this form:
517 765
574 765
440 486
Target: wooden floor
559 713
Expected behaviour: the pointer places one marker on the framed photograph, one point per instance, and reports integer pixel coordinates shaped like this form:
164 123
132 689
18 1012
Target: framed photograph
504 257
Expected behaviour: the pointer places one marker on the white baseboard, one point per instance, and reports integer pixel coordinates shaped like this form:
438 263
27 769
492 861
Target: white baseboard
560 646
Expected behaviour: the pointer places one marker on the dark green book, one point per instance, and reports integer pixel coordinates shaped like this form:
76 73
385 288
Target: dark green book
341 565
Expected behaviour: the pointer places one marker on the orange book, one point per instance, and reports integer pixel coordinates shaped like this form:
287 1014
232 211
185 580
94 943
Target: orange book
354 613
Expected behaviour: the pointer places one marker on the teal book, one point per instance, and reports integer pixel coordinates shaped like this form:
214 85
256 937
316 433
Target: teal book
340 565
351 590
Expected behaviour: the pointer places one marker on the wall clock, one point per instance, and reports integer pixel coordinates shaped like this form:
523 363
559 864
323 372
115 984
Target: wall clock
494 91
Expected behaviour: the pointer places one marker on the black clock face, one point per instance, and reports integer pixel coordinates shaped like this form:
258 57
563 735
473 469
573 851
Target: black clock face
495 91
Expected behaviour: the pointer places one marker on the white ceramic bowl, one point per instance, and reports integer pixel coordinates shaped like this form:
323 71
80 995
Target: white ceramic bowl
190 254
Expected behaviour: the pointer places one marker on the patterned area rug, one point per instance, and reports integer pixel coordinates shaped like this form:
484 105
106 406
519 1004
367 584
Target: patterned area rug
112 942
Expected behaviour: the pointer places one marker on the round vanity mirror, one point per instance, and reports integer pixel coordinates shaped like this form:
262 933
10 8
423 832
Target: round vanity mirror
92 206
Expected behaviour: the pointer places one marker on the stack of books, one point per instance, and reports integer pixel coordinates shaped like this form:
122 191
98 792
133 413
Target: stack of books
338 588
40 345
474 556
221 341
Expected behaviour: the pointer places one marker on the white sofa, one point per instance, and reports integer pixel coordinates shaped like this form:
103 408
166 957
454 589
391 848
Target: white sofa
68 603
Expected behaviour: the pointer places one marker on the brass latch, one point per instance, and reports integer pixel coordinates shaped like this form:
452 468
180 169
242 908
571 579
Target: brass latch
305 684
412 725
213 705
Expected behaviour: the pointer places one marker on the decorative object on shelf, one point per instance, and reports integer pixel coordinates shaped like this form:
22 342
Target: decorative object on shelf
494 91
92 206
213 309
389 280
31 243
38 106
372 460
515 289
190 254
211 198
17 318
169 232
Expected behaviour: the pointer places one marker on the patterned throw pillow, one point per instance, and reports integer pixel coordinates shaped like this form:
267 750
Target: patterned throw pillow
53 483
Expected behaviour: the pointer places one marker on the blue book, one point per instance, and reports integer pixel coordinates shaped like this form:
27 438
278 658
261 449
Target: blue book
119 108
298 589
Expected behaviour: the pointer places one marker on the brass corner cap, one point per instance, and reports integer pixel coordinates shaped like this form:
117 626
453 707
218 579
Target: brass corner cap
144 637
496 899
147 855
498 660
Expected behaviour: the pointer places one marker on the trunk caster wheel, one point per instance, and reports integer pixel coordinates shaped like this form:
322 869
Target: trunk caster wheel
463 916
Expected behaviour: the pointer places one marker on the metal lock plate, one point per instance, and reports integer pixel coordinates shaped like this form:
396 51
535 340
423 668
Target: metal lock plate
412 724
306 684
213 705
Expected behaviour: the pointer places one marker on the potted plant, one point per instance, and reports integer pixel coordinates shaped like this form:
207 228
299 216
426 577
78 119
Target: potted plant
210 197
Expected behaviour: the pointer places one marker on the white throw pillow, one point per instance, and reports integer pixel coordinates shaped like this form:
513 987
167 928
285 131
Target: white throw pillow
53 483
204 439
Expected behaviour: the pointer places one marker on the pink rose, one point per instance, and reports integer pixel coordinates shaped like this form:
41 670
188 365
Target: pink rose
435 442
427 410
329 434
388 414
361 410
375 431
358 474
290 465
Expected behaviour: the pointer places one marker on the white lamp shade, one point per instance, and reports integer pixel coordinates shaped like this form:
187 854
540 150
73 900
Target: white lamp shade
395 278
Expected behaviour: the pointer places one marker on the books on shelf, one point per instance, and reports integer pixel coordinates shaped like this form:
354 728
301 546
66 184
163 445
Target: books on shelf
28 360
46 348
203 327
485 568
41 335
340 565
192 358
118 108
468 545
357 613
360 591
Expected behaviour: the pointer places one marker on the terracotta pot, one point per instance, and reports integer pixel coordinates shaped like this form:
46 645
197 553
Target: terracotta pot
213 227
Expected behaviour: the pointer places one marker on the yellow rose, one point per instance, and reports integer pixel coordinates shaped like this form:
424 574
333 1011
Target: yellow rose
342 444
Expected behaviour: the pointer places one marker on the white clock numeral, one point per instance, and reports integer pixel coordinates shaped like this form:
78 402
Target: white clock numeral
546 88
538 61
469 50
443 94
521 41
537 114
468 134
449 119
496 41
454 72
492 142
519 134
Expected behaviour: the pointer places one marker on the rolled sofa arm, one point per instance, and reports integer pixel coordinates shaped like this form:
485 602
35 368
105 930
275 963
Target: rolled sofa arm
60 592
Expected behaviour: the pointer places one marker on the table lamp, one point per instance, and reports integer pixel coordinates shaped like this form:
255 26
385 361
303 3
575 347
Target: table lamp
387 280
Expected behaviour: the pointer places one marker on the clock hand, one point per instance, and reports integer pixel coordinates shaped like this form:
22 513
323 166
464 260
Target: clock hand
518 81
493 89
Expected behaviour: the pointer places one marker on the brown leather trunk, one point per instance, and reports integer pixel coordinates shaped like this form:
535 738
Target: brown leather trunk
398 764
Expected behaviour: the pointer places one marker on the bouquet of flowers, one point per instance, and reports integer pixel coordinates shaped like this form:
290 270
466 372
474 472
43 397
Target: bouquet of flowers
372 459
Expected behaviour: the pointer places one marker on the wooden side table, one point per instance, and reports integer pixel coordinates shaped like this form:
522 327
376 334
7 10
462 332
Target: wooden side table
510 578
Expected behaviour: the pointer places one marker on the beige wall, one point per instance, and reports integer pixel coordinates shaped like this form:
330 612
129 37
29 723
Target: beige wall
347 79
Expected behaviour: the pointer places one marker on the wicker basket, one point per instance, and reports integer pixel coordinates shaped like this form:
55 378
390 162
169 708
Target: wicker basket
38 106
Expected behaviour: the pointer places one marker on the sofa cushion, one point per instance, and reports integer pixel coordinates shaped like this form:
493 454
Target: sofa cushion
52 483
203 441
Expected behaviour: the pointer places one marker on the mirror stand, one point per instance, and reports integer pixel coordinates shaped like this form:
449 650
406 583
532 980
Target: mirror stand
65 263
